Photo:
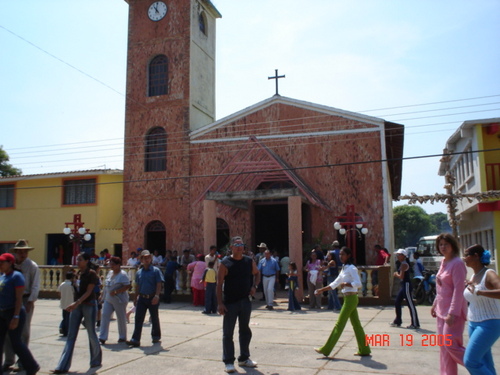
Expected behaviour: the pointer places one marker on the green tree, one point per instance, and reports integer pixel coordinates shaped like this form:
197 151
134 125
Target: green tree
411 223
440 221
7 169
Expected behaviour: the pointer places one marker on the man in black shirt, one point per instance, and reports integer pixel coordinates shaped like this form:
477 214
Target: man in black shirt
237 279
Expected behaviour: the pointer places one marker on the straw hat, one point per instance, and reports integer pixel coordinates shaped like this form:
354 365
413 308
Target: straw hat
21 245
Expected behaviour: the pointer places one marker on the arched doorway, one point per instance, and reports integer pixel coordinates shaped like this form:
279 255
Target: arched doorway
156 237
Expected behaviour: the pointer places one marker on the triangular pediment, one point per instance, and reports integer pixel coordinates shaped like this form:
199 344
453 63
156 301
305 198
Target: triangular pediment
229 121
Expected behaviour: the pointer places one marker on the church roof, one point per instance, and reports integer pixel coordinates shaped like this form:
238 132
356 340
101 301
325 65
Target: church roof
278 99
254 164
394 133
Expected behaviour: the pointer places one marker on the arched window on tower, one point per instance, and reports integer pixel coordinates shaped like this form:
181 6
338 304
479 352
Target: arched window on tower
158 76
202 21
155 158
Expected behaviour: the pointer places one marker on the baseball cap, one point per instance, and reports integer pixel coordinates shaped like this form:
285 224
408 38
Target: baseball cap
7 257
402 251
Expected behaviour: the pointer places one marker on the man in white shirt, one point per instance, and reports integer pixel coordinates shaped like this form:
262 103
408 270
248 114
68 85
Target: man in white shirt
157 259
133 261
212 257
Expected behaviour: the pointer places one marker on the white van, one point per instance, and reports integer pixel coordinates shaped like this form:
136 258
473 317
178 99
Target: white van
430 256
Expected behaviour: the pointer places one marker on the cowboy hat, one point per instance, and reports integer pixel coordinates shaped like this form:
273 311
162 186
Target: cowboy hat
21 245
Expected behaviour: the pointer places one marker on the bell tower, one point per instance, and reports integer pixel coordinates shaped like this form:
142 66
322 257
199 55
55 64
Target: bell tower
170 92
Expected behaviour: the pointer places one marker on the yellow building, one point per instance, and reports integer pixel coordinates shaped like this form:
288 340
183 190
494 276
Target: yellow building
36 208
475 164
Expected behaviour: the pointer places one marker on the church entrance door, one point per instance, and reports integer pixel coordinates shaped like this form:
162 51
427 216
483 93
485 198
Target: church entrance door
271 226
156 237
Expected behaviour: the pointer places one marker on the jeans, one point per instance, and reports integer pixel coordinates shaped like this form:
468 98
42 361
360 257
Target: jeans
211 298
9 356
348 311
333 298
293 303
107 310
87 312
241 311
482 335
143 305
22 351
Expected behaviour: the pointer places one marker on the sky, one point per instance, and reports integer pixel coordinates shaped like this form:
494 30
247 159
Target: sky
429 65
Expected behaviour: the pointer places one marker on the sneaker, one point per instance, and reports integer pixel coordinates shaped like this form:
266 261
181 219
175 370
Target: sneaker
247 363
230 368
395 325
413 327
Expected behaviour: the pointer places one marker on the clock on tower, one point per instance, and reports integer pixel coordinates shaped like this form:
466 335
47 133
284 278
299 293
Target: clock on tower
157 11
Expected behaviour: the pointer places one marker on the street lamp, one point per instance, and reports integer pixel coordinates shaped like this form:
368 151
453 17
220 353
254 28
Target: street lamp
77 235
351 225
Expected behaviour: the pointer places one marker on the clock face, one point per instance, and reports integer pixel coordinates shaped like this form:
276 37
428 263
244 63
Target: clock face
157 10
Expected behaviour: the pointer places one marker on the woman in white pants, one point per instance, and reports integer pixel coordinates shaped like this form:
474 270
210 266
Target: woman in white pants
115 297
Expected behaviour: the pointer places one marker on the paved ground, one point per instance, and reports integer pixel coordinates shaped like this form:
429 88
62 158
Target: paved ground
282 343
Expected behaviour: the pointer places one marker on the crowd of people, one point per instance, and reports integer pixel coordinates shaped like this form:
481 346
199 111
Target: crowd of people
227 284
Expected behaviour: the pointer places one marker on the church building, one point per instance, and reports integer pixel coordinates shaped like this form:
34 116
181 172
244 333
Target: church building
282 171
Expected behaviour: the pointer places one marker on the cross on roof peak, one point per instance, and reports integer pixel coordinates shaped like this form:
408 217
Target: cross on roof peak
276 77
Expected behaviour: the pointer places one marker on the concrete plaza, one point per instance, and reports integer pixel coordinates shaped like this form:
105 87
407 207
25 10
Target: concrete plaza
282 343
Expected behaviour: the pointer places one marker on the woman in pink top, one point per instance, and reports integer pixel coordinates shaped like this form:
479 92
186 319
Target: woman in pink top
196 269
450 307
314 271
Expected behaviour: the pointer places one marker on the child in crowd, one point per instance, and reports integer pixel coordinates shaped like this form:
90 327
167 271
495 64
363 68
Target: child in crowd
293 303
210 280
364 282
66 298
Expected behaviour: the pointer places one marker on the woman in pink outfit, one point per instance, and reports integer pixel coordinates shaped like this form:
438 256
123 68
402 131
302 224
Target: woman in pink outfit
450 307
196 269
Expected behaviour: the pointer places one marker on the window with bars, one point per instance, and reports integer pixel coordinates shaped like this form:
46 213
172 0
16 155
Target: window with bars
7 196
79 191
155 159
158 76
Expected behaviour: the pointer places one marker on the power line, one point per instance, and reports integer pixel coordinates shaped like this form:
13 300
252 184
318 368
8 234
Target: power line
172 149
190 177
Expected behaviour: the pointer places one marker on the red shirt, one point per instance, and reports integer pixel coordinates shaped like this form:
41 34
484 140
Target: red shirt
381 258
